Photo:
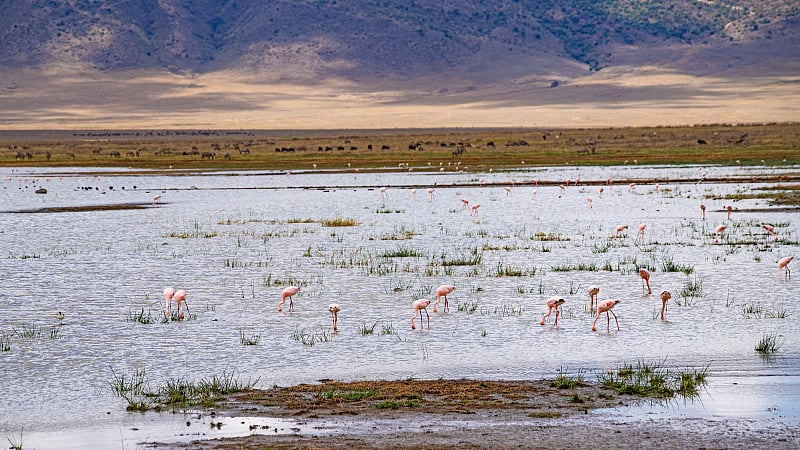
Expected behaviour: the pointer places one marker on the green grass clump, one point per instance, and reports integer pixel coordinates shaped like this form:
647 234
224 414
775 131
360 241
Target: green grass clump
565 381
249 340
768 344
348 396
654 380
394 404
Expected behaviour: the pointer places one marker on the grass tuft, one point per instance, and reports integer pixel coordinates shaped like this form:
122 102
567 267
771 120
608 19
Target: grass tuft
768 344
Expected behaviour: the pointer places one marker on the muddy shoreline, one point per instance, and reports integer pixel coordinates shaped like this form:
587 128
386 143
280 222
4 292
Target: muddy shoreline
464 414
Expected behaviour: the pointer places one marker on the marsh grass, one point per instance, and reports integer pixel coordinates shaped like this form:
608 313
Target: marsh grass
338 222
402 252
768 344
566 381
347 396
175 391
472 258
249 340
14 443
365 329
5 344
397 404
310 338
30 331
668 265
387 328
468 307
654 380
141 317
692 288
507 270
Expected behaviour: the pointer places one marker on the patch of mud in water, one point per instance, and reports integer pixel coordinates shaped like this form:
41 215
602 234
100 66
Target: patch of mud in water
89 208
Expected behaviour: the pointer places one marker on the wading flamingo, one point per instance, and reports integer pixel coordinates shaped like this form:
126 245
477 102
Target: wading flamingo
168 294
593 291
606 306
443 291
719 230
645 274
419 306
430 194
784 264
288 292
589 200
703 212
642 227
631 187
465 202
730 210
180 299
508 190
156 200
601 192
382 193
771 230
474 209
553 303
620 230
334 309
665 296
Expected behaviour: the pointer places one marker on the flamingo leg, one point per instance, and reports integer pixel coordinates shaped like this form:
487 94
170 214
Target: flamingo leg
558 312
426 315
413 327
291 305
446 306
608 322
435 309
615 319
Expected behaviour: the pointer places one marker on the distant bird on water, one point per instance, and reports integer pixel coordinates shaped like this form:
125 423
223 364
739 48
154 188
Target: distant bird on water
289 292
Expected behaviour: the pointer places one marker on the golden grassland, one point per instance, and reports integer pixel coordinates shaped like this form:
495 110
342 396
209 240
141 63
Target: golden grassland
372 150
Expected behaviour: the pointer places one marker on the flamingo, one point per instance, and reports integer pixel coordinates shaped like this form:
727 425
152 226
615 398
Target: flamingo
156 200
430 194
413 193
443 291
533 194
465 202
606 306
719 230
168 294
589 200
288 292
382 195
620 230
334 309
642 226
508 190
665 296
771 230
593 291
703 212
601 192
180 298
645 274
730 210
783 263
553 303
419 306
474 209
631 187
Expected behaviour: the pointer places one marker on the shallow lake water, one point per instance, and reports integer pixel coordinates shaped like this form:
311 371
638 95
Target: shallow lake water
72 281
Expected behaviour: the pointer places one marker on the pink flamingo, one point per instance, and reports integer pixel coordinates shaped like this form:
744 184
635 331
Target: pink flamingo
703 212
334 309
533 194
657 187
601 192
465 202
730 210
719 230
443 291
631 187
156 200
553 303
589 200
413 193
593 291
430 194
783 263
771 230
474 209
665 296
606 306
642 227
288 292
168 294
180 299
645 275
620 230
419 306
382 194
508 190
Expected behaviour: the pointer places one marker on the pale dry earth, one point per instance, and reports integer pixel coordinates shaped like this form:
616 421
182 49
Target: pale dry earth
621 96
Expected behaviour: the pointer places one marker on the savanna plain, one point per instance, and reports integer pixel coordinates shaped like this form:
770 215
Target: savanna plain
95 224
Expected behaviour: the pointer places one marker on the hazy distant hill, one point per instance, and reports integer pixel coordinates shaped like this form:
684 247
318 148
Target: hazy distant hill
400 39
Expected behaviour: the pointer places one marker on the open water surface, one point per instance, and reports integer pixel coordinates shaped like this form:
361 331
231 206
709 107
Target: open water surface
235 240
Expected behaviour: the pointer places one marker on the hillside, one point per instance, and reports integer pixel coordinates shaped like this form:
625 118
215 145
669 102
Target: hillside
445 52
